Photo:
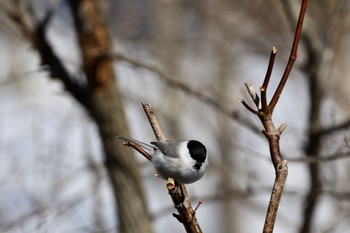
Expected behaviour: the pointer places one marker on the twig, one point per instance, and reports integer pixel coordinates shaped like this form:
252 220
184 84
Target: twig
178 193
153 120
263 88
292 57
252 110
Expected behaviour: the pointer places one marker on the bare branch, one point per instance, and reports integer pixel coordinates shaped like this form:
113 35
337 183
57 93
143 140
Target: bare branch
292 57
248 107
153 120
263 88
178 193
276 194
282 127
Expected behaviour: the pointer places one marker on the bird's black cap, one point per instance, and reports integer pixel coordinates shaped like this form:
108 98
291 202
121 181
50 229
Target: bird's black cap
197 151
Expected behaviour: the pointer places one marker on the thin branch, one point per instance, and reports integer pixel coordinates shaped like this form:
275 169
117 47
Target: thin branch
178 193
276 194
263 88
153 120
248 107
292 57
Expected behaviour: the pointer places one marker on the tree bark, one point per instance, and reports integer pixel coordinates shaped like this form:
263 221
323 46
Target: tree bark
105 106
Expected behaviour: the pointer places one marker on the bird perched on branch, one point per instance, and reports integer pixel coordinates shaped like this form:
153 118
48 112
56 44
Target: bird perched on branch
184 161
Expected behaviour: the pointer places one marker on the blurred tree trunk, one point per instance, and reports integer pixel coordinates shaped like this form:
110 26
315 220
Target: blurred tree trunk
100 97
321 46
106 109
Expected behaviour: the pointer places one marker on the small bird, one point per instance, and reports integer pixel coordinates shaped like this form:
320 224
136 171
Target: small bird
184 161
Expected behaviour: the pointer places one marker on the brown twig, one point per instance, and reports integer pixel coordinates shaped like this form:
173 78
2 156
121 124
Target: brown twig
252 110
263 88
178 193
272 133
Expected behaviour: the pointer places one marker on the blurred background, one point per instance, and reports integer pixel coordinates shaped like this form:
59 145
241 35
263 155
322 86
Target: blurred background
52 172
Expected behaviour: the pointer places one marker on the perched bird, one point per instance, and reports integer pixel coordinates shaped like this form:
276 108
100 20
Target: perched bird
184 161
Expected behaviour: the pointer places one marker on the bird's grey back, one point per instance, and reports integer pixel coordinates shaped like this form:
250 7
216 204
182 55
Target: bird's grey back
168 148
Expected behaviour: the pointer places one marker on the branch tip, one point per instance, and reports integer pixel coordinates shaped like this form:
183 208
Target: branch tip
282 127
253 94
284 163
178 217
265 84
240 99
249 108
292 56
274 50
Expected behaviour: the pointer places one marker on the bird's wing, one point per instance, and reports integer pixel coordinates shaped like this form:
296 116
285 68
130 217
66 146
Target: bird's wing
145 146
168 148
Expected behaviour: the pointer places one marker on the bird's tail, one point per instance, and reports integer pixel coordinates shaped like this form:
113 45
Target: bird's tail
149 148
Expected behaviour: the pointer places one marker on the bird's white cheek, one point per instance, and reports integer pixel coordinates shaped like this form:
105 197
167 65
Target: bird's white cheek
185 156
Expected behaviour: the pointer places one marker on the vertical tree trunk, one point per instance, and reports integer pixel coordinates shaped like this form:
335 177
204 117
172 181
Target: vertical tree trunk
313 146
106 109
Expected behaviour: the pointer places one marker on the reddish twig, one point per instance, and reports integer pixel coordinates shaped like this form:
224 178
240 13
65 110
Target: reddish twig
292 57
263 88
200 202
252 110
